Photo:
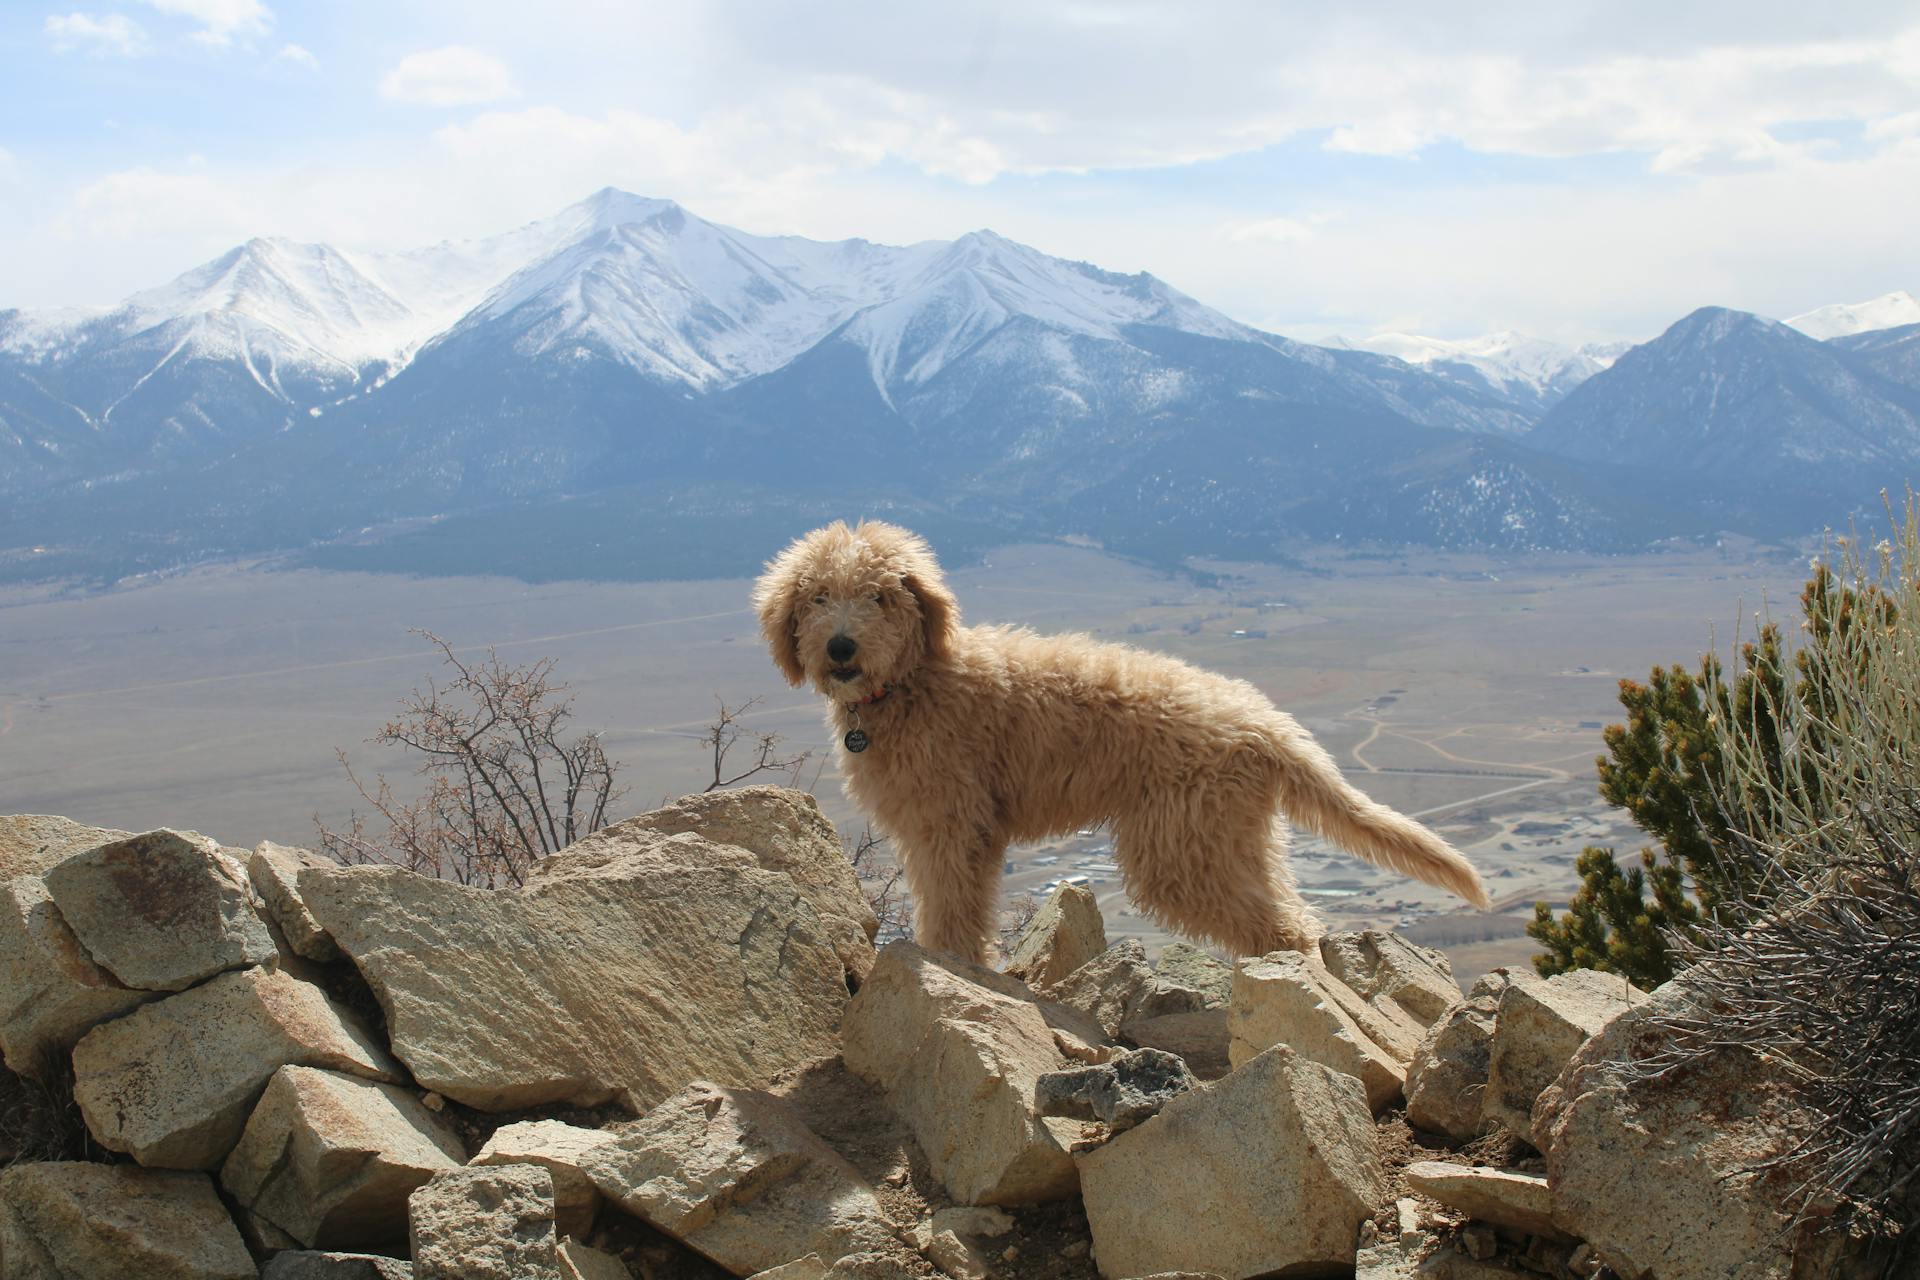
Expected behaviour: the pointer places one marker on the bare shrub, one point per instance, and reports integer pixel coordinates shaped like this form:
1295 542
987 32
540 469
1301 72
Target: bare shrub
1813 960
880 879
1015 919
504 784
39 1119
725 732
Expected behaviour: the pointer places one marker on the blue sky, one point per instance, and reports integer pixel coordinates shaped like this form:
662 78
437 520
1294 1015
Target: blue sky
1573 170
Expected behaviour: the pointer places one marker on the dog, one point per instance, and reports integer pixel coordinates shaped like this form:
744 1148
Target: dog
957 740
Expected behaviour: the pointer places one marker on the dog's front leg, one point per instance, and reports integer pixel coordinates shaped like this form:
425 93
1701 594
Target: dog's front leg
955 878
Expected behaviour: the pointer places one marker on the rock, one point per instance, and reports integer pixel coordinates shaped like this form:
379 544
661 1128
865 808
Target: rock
870 1266
1504 1197
737 1176
51 991
301 1264
160 911
1107 987
1064 934
1271 1169
1447 1079
958 1049
1539 1026
1286 998
559 1148
485 1224
785 831
1184 965
330 1159
1383 966
1658 1174
32 842
1478 1240
1122 1092
1201 1038
274 870
586 989
173 1082
972 1221
68 1220
580 1262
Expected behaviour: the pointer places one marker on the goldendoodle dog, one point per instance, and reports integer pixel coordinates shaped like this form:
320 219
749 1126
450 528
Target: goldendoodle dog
958 740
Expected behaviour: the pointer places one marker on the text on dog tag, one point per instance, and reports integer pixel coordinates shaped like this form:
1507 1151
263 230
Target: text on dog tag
856 740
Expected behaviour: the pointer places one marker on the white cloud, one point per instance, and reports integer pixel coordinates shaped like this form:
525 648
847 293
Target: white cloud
111 33
455 76
220 21
297 56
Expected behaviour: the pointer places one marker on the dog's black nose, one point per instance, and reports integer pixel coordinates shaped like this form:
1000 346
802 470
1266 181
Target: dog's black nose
841 648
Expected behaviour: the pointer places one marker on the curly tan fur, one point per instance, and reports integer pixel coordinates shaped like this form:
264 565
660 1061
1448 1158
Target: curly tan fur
981 736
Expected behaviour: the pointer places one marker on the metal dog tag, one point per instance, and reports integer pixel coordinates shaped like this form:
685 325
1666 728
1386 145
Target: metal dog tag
856 740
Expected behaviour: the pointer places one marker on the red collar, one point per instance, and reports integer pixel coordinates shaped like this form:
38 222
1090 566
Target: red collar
871 698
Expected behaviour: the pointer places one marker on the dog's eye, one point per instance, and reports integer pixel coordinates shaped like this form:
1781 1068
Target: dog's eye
821 598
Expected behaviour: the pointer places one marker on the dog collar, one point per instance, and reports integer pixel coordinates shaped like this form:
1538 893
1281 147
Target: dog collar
871 698
857 740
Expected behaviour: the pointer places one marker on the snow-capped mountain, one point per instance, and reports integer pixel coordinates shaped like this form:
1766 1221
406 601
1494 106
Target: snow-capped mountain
626 374
1843 319
1527 370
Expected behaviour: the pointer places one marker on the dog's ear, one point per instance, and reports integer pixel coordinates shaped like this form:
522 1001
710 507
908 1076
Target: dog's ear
939 611
775 597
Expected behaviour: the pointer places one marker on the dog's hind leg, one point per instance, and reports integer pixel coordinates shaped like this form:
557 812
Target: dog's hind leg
956 891
1216 872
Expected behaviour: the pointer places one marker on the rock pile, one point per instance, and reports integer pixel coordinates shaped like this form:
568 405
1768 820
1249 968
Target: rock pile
676 1052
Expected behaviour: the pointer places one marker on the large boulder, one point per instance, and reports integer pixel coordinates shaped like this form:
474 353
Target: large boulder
736 1175
172 1083
783 829
51 991
1132 1001
275 871
959 1049
1384 967
619 986
161 911
1538 1028
560 1148
32 842
1270 1170
1447 1079
1289 998
492 1223
1064 934
62 1221
330 1159
1664 1175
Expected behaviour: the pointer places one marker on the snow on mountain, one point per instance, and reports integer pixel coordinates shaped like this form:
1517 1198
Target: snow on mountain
1842 318
1511 364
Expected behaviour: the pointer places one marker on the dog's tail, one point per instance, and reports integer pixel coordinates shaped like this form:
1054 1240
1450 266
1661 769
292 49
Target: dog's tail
1314 794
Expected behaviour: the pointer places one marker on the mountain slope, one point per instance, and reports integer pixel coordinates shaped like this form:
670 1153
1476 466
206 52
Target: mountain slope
1841 320
1525 371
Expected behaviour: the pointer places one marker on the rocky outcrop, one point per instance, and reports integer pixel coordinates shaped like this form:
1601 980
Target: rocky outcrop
624 984
1290 999
959 1050
330 1159
736 1175
1447 1079
160 911
32 842
1270 1170
1064 934
61 1221
172 1083
559 1148
783 829
485 1224
1540 1025
1662 1175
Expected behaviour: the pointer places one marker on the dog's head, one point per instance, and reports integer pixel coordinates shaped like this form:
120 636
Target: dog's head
853 608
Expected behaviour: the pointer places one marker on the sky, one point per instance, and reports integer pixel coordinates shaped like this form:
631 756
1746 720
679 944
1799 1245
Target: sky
1578 171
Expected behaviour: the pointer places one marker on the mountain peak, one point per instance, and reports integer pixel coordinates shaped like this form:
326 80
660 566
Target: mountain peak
1843 319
